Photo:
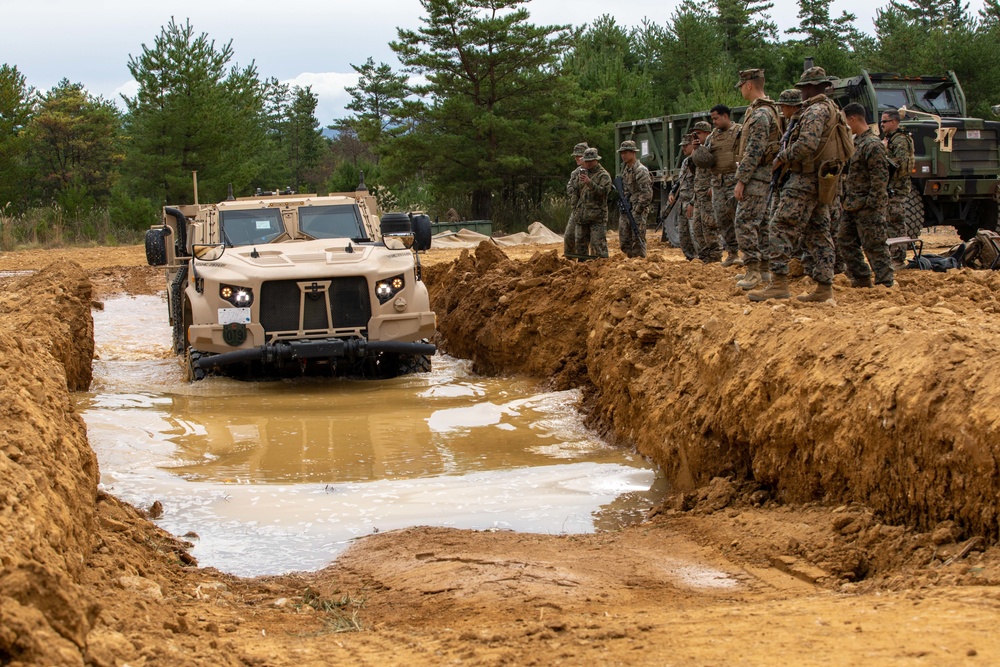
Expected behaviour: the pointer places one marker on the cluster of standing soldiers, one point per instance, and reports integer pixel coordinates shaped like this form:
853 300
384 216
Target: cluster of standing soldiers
788 182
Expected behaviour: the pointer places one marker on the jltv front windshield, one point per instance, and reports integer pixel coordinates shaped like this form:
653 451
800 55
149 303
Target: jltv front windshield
339 221
252 227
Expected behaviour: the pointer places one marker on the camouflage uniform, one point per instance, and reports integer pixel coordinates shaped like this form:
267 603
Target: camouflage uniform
685 198
865 201
900 149
799 213
754 171
706 231
569 235
592 206
638 188
723 201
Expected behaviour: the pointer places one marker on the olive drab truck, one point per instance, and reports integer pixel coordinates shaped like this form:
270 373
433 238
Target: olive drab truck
957 158
282 284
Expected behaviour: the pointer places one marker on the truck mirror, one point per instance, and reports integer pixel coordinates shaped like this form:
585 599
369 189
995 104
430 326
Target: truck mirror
398 241
995 109
208 253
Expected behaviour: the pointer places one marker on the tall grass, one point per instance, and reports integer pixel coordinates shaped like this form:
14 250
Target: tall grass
51 227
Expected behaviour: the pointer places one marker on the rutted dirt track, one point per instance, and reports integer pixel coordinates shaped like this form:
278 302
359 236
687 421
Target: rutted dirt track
835 469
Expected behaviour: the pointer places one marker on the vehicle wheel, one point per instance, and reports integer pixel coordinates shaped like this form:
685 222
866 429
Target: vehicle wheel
413 363
180 311
913 213
193 374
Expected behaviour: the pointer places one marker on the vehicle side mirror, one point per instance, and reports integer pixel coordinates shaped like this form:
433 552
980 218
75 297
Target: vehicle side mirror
995 109
398 241
208 253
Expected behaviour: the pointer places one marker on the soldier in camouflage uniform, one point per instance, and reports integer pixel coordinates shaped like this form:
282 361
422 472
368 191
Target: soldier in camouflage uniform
593 187
722 144
638 188
569 236
865 202
800 213
758 145
685 200
900 149
706 231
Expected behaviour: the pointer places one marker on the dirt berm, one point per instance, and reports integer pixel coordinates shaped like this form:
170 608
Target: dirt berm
890 397
887 399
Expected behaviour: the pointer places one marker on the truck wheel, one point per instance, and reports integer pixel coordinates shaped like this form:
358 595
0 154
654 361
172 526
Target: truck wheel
191 372
413 363
156 246
180 311
913 213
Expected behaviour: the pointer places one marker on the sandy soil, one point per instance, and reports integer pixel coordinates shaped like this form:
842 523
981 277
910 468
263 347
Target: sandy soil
834 469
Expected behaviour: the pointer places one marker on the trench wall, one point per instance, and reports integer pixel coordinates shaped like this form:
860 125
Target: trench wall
48 472
889 397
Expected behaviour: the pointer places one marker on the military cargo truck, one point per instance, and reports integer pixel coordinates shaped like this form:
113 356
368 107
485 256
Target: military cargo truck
283 284
957 158
957 166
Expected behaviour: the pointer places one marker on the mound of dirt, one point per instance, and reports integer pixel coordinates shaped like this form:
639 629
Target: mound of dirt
887 397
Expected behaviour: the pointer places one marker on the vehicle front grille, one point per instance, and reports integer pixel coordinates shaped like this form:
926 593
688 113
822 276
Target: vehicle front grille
281 304
975 153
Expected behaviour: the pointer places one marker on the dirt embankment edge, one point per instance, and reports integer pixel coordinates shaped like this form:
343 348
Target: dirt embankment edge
887 398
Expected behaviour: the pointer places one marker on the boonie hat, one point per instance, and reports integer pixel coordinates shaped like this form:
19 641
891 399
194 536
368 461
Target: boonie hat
627 146
814 76
590 154
790 98
580 148
749 75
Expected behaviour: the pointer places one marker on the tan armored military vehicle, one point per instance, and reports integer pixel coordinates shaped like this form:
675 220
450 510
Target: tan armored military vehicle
283 284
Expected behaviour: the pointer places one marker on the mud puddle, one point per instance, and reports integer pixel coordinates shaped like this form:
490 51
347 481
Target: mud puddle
277 476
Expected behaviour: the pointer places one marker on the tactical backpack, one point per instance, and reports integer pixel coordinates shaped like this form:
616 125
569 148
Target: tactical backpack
983 252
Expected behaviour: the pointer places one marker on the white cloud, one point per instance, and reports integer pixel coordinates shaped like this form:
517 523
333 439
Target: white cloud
329 90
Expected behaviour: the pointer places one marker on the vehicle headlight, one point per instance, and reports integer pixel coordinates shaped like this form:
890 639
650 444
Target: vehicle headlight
387 288
241 297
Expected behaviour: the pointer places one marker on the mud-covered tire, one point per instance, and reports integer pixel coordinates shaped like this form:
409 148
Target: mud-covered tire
913 213
156 246
191 372
413 363
179 312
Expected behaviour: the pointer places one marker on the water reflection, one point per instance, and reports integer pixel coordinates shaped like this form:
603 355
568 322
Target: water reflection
315 463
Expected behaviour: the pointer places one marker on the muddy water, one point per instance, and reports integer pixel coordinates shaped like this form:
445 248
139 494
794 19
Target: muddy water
270 477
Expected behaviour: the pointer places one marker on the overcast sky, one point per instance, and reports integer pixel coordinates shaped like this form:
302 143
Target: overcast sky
303 42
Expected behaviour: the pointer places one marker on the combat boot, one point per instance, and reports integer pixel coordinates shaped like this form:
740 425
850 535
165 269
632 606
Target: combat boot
823 292
765 272
778 289
731 258
752 277
864 281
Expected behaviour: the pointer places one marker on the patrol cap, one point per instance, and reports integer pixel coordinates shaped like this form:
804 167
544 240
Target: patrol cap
580 148
590 154
686 140
702 126
790 98
627 146
749 75
814 76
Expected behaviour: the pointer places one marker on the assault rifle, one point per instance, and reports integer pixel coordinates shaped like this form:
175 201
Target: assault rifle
670 207
625 206
778 175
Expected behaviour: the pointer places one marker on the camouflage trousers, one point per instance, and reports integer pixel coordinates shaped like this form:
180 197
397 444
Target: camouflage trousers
632 245
895 225
864 230
594 234
724 207
684 229
706 232
569 236
752 221
836 215
800 217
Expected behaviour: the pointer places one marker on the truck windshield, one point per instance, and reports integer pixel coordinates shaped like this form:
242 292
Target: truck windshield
940 100
251 227
891 98
340 221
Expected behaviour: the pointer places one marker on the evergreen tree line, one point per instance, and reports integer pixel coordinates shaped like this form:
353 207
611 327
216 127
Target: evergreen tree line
481 117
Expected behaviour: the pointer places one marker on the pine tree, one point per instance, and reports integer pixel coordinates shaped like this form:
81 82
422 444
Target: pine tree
17 101
193 112
378 101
